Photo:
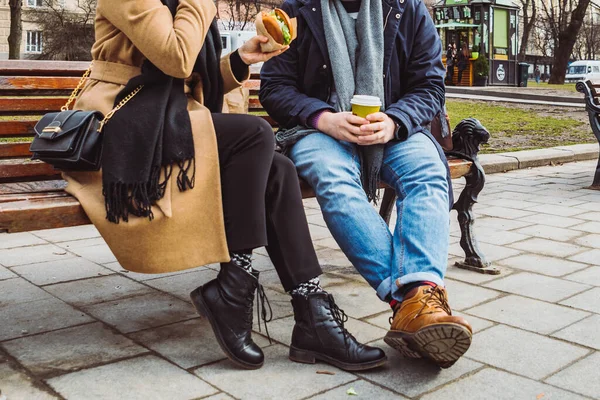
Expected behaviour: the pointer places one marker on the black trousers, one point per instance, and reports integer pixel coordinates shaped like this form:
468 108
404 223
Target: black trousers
262 203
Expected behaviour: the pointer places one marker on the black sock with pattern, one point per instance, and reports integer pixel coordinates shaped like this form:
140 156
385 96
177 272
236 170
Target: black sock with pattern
242 259
305 288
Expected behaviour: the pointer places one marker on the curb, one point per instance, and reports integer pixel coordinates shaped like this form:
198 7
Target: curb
515 96
503 162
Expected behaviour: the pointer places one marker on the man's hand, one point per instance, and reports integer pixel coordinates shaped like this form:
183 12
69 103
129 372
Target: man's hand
341 126
379 129
250 52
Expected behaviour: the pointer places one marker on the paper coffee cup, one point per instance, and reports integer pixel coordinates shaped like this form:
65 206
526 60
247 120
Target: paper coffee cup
363 105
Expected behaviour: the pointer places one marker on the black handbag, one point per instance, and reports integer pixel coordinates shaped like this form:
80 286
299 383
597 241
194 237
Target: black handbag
72 139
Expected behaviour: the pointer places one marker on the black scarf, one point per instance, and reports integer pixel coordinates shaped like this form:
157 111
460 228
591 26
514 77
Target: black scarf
152 133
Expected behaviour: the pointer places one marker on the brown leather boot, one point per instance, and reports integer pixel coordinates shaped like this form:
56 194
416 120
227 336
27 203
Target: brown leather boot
423 326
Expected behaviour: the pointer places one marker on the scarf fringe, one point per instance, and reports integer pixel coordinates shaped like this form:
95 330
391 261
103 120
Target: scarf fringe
122 199
370 183
184 182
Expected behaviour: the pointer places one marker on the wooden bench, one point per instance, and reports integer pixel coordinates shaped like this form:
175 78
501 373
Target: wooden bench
591 92
32 195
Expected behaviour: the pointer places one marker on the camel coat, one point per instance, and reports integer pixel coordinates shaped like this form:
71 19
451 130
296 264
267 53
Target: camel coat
188 228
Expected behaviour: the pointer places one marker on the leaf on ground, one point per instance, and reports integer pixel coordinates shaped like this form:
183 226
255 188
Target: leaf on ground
326 372
539 396
351 392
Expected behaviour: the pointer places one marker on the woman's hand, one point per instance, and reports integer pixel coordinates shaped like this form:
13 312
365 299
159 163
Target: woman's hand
379 130
250 52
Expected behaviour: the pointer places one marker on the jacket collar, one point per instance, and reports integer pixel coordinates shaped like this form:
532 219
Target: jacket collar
392 11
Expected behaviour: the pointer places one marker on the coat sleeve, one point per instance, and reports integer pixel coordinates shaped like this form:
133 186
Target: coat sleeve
424 77
280 92
172 44
230 82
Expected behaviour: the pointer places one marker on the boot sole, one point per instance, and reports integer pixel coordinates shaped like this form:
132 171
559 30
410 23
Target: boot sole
311 357
204 311
442 343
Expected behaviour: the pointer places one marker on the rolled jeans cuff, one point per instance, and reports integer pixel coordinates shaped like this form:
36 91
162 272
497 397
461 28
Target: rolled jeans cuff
388 286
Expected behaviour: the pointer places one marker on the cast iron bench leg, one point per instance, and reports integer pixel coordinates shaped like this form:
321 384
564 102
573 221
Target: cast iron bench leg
592 106
474 259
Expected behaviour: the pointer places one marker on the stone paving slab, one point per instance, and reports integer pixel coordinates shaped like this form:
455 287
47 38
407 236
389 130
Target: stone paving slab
537 286
142 312
412 377
140 378
499 385
17 385
584 332
276 377
97 290
60 271
589 301
524 353
363 390
581 377
552 266
590 276
33 317
528 314
70 349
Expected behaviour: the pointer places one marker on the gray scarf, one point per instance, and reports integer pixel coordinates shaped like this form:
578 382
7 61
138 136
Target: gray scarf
356 54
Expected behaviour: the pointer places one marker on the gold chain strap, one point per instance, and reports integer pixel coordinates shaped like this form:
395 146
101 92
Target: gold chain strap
118 107
77 89
108 116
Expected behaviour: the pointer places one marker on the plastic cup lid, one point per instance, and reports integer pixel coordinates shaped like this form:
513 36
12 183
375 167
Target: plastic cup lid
364 100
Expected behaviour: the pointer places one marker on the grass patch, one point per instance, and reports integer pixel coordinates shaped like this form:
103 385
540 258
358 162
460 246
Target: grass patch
543 85
514 129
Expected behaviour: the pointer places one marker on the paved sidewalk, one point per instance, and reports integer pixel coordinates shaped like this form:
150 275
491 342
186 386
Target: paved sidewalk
75 325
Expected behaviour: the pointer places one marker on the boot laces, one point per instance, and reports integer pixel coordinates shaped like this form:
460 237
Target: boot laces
436 300
261 310
340 318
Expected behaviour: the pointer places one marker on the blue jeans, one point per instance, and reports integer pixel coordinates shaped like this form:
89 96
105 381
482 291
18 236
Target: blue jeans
418 248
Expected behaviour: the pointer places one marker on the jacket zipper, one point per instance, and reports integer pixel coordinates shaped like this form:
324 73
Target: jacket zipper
386 19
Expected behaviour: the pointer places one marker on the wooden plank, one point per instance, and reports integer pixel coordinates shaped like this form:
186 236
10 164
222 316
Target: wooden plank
32 187
15 150
35 214
17 128
31 104
12 197
458 167
38 82
43 68
20 169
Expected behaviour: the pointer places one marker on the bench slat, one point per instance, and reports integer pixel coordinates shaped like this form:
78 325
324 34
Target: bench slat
38 83
35 214
17 128
43 68
14 150
31 104
20 169
32 187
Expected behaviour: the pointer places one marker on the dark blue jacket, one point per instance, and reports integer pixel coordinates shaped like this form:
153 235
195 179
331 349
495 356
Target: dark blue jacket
298 83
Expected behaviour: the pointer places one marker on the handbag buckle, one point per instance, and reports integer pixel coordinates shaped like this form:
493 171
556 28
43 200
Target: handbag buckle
50 131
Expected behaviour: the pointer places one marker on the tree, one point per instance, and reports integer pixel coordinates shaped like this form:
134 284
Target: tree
563 20
16 29
529 18
68 33
240 14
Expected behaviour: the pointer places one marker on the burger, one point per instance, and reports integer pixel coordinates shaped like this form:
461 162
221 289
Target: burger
279 26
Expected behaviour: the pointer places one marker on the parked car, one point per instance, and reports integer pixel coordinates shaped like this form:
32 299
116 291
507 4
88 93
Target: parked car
583 70
232 40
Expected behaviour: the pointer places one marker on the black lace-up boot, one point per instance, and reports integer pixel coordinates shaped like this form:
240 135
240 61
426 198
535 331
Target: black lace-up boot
319 334
227 303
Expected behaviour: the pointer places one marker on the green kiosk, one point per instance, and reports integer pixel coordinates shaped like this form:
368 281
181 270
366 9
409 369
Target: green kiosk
481 26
